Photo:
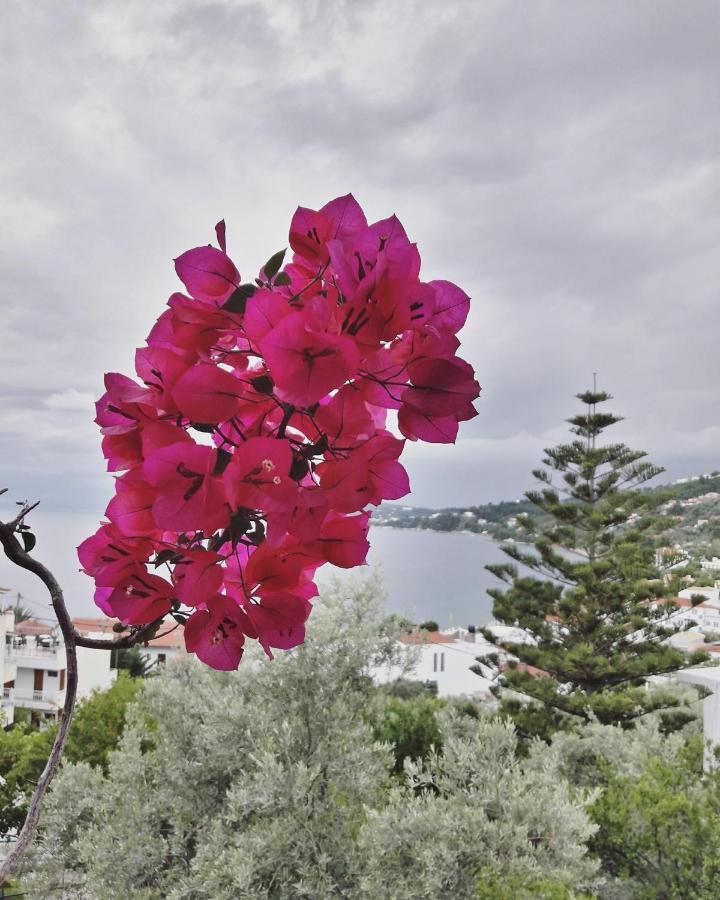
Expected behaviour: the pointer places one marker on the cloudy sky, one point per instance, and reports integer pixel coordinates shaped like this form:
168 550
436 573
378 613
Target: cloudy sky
559 160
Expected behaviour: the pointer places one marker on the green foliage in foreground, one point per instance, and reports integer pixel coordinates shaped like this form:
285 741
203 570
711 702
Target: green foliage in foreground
23 754
99 721
133 661
491 886
299 779
96 727
269 784
411 726
662 830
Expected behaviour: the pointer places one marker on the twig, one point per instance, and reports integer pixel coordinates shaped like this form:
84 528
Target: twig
28 507
287 415
16 554
129 640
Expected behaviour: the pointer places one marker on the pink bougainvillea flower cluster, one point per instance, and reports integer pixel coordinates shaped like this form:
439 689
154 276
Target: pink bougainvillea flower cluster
255 435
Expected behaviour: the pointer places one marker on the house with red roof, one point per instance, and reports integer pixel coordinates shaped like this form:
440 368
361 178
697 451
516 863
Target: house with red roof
438 658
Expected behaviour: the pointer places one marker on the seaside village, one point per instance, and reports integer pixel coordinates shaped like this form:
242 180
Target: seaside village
33 666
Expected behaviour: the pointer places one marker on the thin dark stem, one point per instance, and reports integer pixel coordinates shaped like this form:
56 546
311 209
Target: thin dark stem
21 515
287 415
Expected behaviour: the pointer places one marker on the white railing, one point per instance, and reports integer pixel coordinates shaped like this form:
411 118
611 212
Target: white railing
38 652
54 698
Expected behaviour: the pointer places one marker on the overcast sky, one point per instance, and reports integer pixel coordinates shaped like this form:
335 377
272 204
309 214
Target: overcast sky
558 160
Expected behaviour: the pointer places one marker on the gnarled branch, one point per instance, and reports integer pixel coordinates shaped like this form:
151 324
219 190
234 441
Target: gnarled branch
17 555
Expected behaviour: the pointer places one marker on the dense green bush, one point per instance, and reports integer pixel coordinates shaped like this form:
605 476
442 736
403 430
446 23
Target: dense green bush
270 784
95 730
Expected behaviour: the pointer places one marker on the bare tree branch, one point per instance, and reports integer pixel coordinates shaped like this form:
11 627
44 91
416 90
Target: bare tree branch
17 555
129 640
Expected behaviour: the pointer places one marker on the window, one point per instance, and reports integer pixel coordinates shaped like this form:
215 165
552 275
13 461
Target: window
442 662
62 679
161 659
52 674
434 662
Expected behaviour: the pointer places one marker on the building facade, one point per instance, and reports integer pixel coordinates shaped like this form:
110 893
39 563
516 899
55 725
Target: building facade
34 669
440 659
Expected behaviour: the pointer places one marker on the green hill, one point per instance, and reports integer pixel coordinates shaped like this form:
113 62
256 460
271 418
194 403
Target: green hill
692 509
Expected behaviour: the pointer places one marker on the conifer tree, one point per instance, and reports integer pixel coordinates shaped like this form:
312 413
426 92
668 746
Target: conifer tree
586 604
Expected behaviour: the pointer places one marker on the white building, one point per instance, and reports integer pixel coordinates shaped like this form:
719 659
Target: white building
435 656
705 614
8 668
35 669
711 594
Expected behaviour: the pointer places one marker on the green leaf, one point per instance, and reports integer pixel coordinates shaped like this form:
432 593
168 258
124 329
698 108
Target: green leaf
152 630
166 556
299 469
237 301
272 266
217 540
282 279
239 526
263 384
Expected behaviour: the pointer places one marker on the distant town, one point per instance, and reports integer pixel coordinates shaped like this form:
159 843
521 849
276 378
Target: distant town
691 506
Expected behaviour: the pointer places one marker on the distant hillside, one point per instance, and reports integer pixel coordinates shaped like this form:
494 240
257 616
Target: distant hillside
693 512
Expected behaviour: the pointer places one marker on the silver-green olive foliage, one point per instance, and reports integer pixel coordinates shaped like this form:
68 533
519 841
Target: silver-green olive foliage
268 784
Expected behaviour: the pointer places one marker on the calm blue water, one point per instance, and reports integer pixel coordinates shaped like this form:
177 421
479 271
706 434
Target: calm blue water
436 575
427 574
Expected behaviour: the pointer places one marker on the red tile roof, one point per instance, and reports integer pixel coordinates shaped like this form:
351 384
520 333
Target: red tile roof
174 640
88 625
524 667
678 601
31 627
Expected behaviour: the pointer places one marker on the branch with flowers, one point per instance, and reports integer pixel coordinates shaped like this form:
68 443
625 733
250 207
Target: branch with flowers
256 435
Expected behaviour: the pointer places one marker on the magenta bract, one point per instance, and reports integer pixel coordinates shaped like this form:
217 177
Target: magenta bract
256 437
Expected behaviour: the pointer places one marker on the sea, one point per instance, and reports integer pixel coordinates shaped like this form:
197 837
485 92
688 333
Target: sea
426 574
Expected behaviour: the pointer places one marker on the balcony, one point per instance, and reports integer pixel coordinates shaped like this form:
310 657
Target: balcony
46 701
8 697
29 656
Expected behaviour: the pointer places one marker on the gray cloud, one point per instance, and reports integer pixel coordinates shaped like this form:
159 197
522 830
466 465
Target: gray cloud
559 161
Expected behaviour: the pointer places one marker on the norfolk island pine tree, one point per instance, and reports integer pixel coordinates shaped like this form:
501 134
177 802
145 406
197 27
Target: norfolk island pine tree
587 599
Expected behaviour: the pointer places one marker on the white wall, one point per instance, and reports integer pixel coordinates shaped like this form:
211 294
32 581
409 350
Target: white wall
708 677
711 594
448 664
93 670
24 679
